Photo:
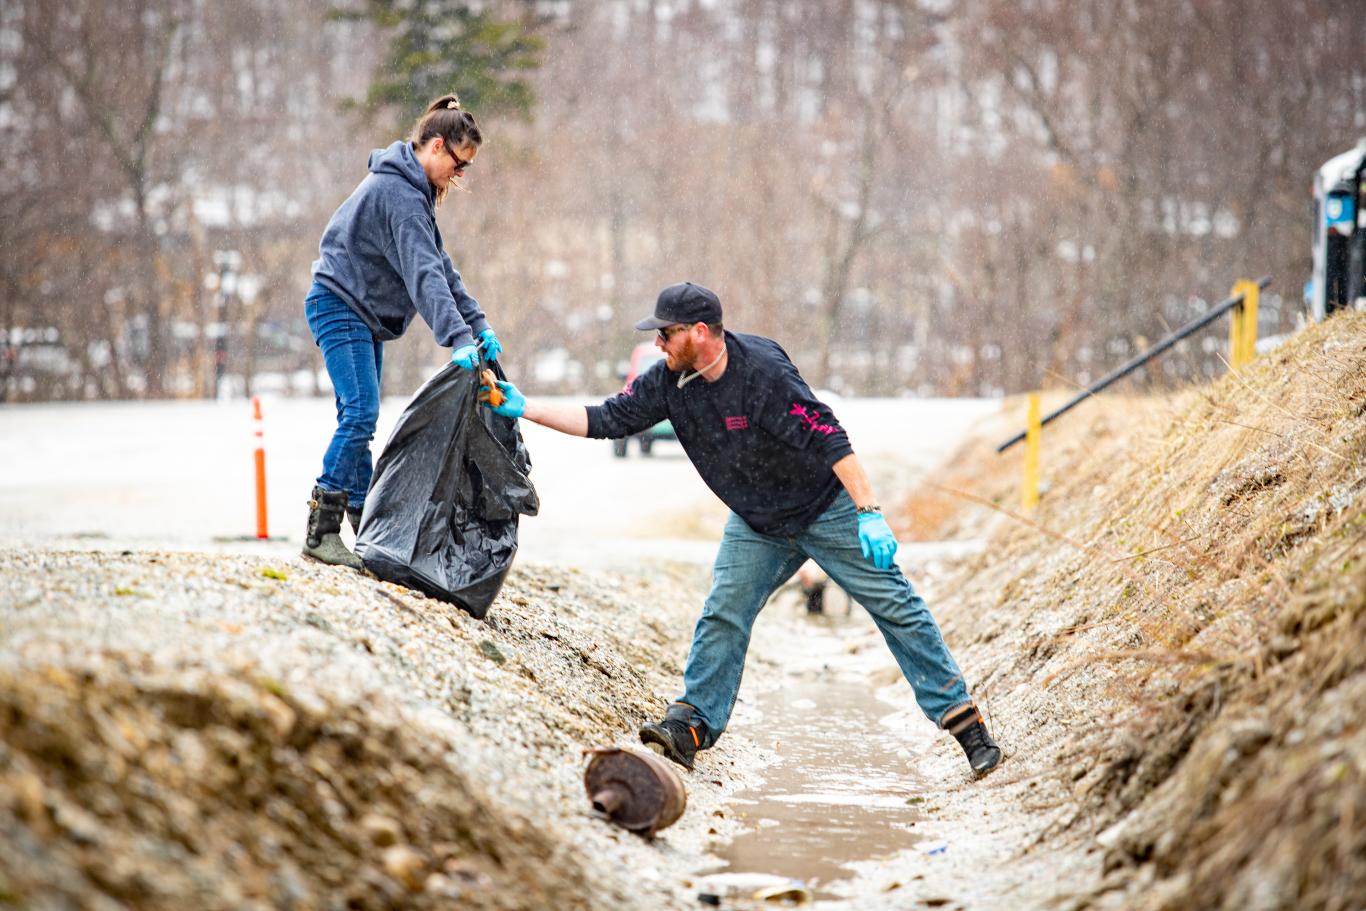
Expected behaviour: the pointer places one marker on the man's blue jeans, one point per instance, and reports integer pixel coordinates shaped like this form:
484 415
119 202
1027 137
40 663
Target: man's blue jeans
354 358
750 566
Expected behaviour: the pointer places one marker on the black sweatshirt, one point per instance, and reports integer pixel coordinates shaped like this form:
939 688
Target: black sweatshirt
757 436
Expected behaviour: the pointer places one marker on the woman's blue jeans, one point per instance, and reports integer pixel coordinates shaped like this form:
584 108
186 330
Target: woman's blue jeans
354 358
750 566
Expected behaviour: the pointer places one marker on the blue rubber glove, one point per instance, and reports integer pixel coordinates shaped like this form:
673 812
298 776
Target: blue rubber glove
876 539
514 403
490 344
466 356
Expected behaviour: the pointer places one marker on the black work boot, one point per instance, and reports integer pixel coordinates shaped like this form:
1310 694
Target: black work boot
323 539
967 726
353 516
679 735
815 598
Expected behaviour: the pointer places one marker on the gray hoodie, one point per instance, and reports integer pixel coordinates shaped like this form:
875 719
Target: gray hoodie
381 253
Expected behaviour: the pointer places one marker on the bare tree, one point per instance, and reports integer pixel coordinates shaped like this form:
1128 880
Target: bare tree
977 197
114 58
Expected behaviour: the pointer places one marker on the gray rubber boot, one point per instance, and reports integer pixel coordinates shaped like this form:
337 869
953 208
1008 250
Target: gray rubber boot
323 540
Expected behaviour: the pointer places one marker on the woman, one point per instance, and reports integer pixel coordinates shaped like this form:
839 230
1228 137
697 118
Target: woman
381 261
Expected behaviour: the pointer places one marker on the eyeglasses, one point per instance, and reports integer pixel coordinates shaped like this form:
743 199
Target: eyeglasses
460 163
669 332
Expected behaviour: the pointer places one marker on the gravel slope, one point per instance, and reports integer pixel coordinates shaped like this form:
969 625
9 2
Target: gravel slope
182 730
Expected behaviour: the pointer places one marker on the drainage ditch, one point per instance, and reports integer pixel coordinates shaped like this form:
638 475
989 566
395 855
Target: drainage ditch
839 793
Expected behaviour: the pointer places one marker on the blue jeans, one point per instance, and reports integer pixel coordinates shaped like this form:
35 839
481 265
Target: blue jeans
750 565
354 358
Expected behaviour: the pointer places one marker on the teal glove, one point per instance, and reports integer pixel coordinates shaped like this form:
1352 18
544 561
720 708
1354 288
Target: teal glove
513 405
490 345
876 539
466 356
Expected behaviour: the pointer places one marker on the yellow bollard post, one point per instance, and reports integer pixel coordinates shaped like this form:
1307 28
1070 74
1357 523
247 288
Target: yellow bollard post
1251 299
1029 494
1243 333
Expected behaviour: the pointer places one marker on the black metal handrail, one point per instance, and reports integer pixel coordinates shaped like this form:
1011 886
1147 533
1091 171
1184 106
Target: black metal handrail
1133 364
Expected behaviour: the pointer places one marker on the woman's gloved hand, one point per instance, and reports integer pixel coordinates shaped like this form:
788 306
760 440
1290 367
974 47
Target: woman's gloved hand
466 356
514 403
876 539
490 345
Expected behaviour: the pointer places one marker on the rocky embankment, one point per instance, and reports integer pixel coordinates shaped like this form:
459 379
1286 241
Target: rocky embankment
185 731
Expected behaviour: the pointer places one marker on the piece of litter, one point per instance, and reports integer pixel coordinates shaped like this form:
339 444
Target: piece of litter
794 892
743 885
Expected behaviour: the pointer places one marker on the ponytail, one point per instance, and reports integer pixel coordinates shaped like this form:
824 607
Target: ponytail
445 118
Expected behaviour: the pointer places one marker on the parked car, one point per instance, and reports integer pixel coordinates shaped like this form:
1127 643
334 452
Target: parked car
643 356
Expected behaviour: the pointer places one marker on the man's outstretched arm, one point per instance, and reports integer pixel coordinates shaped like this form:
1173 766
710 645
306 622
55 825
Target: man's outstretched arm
570 419
561 416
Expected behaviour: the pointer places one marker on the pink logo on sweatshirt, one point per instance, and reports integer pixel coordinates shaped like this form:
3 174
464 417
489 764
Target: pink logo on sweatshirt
810 418
737 423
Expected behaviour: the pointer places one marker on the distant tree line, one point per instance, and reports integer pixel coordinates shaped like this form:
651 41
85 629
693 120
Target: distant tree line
963 197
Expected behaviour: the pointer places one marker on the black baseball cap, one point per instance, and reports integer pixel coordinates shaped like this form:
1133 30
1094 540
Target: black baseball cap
684 303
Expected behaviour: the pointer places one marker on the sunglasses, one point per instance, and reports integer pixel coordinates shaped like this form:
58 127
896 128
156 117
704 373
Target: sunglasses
460 163
669 332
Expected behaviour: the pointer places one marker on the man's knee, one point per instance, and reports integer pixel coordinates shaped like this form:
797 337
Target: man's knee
718 618
902 606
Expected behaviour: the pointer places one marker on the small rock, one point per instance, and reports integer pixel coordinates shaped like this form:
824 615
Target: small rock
317 621
279 714
381 830
1110 839
463 871
444 851
1283 647
442 885
489 650
79 825
29 801
1248 734
405 865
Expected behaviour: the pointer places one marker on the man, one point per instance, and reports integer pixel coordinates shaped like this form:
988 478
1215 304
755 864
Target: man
780 460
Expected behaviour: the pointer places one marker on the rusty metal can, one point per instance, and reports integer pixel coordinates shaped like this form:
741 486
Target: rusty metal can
637 791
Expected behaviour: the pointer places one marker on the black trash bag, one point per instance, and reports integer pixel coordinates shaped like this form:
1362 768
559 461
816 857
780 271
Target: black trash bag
441 513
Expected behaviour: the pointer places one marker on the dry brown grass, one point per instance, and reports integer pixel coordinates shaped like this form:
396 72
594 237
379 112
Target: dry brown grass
1178 631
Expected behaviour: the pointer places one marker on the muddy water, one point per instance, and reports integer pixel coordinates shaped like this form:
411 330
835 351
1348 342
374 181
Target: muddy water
839 792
